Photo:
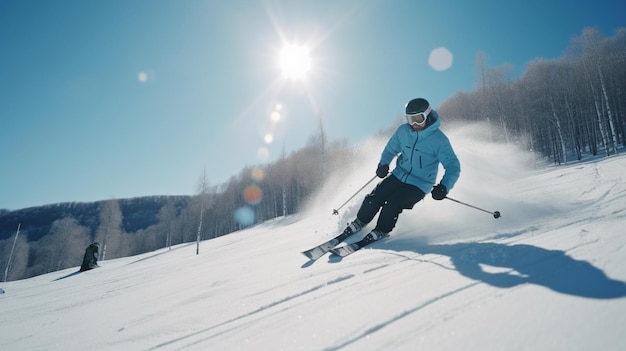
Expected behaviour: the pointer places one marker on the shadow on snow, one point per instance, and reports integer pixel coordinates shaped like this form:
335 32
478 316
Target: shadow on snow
520 264
67 276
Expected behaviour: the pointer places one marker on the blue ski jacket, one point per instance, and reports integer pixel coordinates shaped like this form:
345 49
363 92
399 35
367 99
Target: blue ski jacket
419 154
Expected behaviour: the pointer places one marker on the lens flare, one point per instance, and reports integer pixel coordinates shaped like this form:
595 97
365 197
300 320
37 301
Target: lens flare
440 59
263 153
257 174
145 76
245 216
142 77
275 116
253 194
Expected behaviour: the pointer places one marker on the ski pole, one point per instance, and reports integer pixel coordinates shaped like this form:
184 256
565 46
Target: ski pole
336 211
495 214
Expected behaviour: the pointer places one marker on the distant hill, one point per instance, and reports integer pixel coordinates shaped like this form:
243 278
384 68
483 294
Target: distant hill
138 213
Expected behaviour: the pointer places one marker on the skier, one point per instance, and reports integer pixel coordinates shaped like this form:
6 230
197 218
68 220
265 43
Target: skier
420 146
90 260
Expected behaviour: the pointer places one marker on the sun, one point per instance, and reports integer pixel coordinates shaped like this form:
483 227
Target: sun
295 61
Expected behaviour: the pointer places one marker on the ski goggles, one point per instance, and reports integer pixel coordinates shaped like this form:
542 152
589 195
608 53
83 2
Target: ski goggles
418 118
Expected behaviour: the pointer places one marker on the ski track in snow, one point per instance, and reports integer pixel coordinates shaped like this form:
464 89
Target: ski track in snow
404 314
252 314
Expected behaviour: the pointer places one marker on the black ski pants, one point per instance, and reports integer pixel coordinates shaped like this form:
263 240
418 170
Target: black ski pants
392 196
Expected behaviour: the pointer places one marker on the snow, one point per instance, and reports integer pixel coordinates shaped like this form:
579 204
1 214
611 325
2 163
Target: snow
548 275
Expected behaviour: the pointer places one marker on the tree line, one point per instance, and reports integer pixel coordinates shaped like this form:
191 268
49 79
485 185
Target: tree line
560 108
280 188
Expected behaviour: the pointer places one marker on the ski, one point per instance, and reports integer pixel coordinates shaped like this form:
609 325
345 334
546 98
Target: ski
348 249
319 250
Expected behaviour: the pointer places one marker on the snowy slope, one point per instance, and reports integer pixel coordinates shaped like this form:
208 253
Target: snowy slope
549 275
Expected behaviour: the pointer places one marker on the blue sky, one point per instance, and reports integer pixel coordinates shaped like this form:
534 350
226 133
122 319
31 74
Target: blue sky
125 98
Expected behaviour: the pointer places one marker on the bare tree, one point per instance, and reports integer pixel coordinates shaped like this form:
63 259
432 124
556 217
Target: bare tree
205 203
19 263
594 63
167 222
62 247
14 255
109 232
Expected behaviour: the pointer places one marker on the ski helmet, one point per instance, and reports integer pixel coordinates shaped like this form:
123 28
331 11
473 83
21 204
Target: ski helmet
417 111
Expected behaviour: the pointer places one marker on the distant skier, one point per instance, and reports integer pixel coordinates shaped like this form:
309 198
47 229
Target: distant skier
90 260
420 146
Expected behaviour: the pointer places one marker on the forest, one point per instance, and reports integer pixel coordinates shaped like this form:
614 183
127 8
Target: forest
562 109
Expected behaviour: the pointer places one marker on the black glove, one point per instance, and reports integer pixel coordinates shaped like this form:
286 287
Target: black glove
382 170
439 192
